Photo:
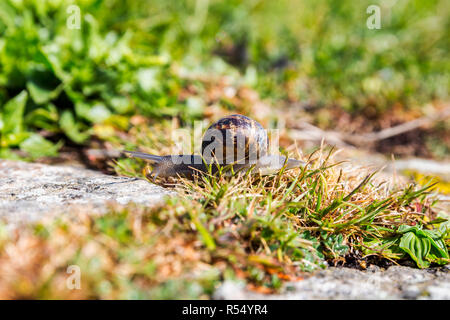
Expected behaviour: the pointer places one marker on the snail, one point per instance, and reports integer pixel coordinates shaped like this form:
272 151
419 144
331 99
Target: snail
234 141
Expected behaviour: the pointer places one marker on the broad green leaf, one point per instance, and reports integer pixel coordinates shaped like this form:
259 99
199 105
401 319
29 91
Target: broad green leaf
12 114
37 146
412 245
119 104
438 243
95 113
40 93
434 236
45 118
405 228
423 246
70 127
51 52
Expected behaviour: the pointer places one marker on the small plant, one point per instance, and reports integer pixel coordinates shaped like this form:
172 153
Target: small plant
424 246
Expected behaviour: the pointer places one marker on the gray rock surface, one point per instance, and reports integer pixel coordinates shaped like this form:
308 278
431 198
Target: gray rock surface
30 191
396 282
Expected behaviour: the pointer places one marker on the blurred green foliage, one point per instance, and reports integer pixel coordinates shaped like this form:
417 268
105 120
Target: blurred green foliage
130 56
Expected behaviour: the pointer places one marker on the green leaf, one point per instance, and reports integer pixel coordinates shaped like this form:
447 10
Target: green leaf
405 228
412 245
423 246
207 238
12 115
119 104
43 86
37 146
387 247
435 237
439 245
95 113
70 128
335 243
45 118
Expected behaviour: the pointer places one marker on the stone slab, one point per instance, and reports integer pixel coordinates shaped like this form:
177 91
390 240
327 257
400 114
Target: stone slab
30 191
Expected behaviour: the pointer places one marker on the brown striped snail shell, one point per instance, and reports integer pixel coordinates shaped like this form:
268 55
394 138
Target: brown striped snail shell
235 139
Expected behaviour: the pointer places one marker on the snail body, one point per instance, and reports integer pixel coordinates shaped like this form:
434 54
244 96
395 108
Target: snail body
234 141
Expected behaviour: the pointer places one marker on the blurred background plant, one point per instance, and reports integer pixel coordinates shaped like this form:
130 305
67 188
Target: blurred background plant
62 86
